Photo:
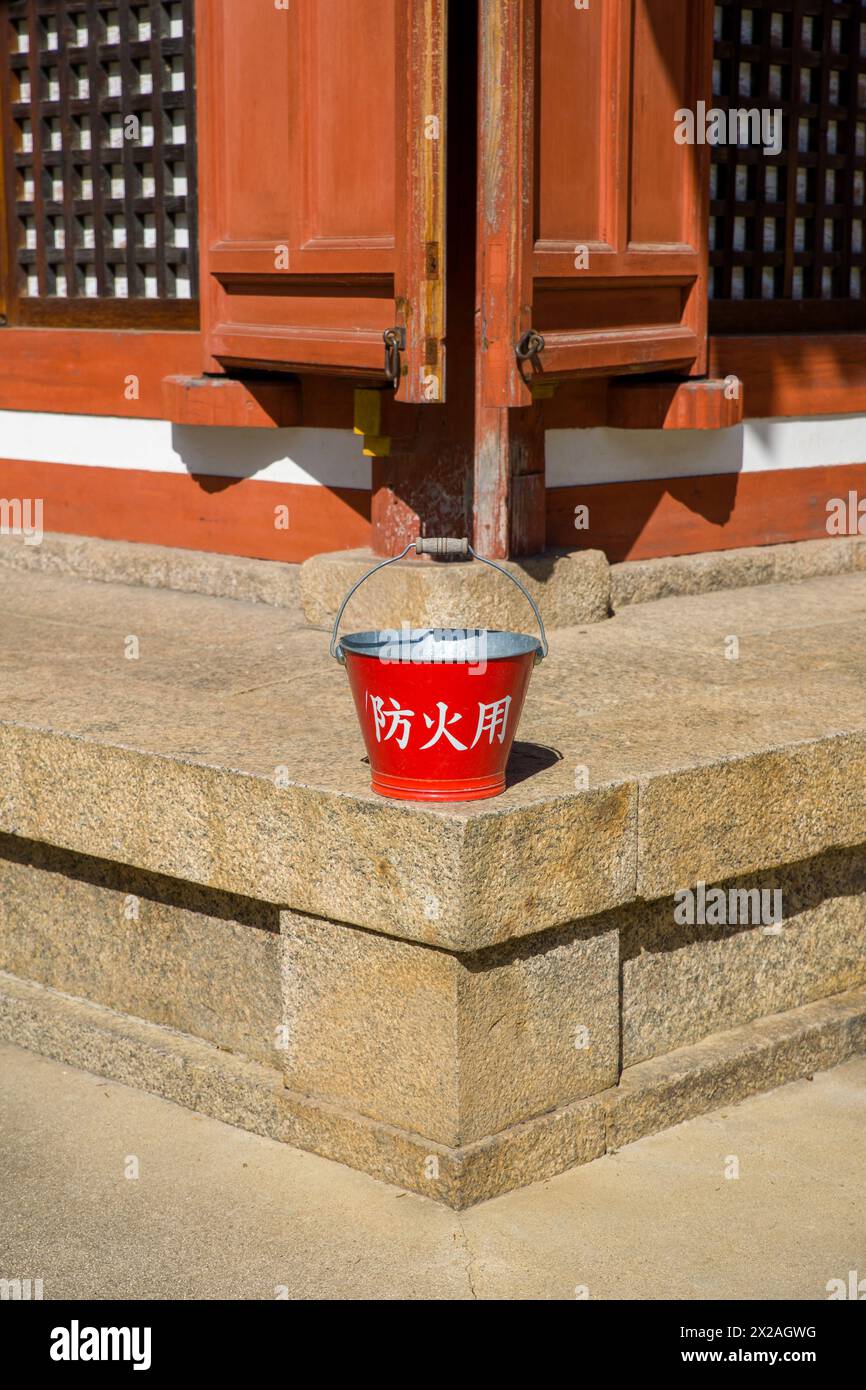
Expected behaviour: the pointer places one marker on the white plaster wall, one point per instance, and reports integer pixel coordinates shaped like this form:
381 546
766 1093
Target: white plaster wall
758 446
331 458
334 458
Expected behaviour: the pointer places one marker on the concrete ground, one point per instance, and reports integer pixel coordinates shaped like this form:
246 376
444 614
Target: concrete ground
216 1212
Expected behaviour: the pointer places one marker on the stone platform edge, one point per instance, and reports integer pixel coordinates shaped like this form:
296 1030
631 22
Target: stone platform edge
573 587
450 879
651 1096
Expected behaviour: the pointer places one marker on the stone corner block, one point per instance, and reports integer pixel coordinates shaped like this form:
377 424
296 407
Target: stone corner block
569 587
454 879
454 1048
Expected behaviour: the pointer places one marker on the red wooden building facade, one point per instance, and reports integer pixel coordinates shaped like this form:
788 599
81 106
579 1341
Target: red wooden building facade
453 264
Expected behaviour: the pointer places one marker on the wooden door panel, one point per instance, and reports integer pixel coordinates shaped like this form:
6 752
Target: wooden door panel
609 174
596 309
341 176
662 202
319 213
343 114
617 239
246 197
578 131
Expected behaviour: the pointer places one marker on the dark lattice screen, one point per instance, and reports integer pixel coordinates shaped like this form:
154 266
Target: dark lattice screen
786 231
101 124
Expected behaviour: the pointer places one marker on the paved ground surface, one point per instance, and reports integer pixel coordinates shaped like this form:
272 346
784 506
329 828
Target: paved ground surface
652 689
219 1213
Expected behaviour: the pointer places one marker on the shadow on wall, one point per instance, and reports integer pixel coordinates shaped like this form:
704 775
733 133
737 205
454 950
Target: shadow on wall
683 481
218 458
585 457
641 493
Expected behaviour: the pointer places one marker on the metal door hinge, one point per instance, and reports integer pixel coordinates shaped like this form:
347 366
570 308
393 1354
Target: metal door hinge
529 346
395 343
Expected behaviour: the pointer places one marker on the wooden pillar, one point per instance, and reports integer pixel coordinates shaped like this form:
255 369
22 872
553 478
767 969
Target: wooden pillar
475 465
508 483
425 493
424 486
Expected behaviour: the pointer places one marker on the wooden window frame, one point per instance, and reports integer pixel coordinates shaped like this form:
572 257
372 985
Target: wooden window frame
785 314
134 314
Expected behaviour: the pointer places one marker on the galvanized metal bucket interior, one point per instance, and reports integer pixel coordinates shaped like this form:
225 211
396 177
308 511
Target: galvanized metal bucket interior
440 645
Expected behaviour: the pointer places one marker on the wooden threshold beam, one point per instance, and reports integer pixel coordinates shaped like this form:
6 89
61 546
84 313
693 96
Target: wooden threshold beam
208 400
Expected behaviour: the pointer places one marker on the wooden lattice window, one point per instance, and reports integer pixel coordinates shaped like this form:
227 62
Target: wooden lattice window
787 230
99 162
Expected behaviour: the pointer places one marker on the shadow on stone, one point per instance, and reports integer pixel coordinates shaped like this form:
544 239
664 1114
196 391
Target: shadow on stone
159 888
527 759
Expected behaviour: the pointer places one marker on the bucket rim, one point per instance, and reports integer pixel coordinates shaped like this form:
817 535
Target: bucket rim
405 645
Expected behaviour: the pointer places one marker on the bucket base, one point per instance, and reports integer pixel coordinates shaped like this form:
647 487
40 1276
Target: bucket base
417 789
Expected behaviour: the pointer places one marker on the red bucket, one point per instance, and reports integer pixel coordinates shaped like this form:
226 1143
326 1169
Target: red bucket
439 707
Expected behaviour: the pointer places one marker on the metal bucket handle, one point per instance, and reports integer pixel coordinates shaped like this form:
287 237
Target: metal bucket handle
437 545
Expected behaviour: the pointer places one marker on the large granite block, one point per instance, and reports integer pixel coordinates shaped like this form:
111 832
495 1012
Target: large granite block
203 962
452 1047
571 587
462 879
737 816
682 982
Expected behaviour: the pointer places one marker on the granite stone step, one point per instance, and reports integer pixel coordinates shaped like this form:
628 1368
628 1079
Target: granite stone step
188 839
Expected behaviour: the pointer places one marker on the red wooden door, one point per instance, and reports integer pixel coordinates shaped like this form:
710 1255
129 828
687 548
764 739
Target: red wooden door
592 217
322 144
